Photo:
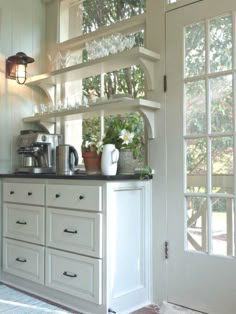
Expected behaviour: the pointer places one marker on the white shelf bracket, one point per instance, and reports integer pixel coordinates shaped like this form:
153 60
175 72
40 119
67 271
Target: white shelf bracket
148 67
149 117
50 91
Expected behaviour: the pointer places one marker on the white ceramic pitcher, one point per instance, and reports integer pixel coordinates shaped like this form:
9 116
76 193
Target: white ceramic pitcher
110 156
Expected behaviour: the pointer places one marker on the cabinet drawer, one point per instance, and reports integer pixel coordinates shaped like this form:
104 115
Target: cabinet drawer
23 260
26 193
74 196
74 231
74 274
23 222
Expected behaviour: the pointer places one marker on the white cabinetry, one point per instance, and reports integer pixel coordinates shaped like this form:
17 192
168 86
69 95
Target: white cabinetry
23 219
97 243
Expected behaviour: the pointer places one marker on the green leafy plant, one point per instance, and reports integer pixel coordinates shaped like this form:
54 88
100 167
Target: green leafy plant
91 143
125 133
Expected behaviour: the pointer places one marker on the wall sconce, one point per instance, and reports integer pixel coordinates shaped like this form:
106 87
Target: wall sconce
16 67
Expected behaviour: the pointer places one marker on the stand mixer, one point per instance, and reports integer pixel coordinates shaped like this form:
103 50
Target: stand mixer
36 151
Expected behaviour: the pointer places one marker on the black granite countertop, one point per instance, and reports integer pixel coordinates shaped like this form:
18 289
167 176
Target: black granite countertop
79 176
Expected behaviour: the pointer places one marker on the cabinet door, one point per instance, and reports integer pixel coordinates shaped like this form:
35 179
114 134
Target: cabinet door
23 222
23 260
77 275
74 231
26 193
74 196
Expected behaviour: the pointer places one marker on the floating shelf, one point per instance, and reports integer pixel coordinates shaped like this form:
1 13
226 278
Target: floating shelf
147 109
135 56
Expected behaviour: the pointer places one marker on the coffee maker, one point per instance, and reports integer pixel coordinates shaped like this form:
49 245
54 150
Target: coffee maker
37 151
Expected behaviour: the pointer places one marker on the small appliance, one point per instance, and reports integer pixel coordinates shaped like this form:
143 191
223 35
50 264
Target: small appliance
37 151
66 159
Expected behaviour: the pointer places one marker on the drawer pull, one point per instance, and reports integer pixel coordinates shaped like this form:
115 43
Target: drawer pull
30 193
21 222
71 275
81 197
22 260
58 195
12 192
70 231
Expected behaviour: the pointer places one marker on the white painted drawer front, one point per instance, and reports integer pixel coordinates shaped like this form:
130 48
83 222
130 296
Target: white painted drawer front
24 193
23 260
74 196
74 231
24 222
74 274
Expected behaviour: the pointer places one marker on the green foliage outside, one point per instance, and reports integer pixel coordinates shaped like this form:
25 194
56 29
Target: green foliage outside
211 113
98 13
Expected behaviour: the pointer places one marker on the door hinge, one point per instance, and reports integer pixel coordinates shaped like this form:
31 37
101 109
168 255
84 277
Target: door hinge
165 83
166 249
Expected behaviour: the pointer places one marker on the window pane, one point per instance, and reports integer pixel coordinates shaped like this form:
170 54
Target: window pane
222 165
196 155
195 107
221 100
71 12
196 223
85 16
222 226
220 42
195 49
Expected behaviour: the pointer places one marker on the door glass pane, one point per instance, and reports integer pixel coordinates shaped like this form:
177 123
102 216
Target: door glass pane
195 49
220 43
221 102
222 226
196 223
196 154
222 165
195 107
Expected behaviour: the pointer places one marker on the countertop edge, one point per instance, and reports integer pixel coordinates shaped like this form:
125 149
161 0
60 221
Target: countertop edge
77 176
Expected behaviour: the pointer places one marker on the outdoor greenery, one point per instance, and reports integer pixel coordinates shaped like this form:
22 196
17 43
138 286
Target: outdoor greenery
209 114
129 81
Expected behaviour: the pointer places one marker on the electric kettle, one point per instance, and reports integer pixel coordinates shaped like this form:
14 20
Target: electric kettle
66 159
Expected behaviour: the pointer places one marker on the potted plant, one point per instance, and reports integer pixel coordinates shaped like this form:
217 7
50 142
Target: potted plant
127 136
91 153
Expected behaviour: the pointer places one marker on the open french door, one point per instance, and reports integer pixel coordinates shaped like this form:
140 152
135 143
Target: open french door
201 150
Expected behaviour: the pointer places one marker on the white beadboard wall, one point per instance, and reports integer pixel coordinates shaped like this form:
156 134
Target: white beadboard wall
22 28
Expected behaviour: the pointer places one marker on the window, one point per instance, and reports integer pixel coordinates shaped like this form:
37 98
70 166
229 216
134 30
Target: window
84 16
209 135
78 17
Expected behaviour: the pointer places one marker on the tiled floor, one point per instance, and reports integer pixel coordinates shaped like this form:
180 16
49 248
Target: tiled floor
165 308
151 309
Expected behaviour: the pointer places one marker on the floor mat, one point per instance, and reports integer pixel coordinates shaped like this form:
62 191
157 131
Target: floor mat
15 302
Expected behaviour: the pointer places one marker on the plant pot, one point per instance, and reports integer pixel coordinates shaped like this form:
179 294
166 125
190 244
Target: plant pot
92 162
126 162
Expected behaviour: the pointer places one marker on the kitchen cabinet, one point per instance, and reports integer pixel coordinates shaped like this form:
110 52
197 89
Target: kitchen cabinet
96 253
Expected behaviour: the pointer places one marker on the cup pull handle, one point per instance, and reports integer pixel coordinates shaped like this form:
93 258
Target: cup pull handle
58 195
71 275
70 231
21 222
12 192
21 260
